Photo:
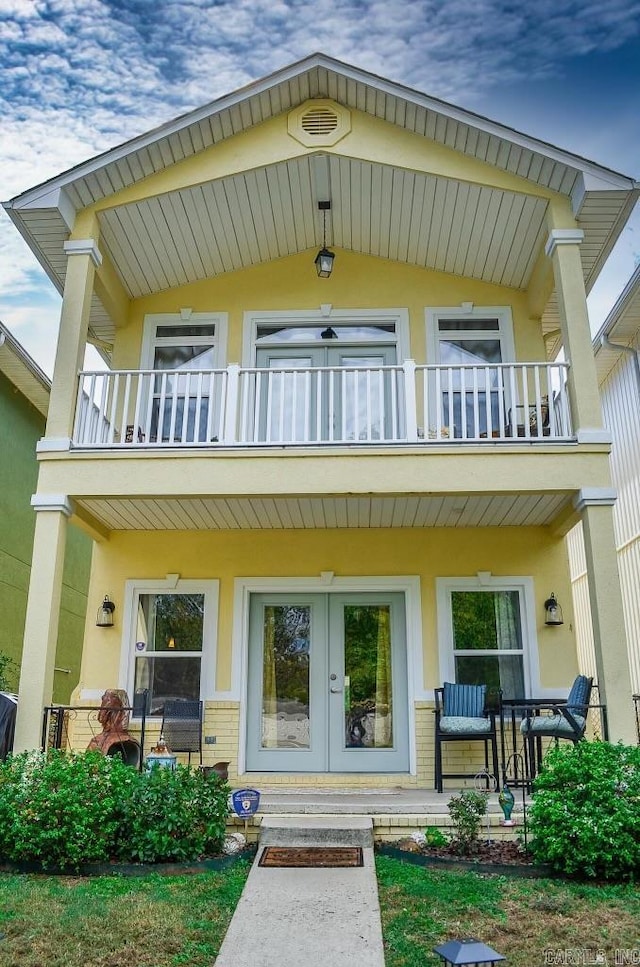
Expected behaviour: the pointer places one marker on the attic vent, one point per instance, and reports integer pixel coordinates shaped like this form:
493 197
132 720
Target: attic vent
319 121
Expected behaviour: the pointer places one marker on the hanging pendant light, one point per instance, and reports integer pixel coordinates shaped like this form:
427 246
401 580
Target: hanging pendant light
324 259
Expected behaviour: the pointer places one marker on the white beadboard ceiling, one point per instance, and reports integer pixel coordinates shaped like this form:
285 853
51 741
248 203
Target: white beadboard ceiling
382 210
276 513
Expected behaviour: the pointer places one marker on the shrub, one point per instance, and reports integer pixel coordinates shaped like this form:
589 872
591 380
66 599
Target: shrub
466 811
64 811
172 816
57 810
435 837
585 816
8 670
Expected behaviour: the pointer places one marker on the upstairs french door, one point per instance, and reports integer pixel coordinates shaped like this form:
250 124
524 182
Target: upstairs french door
327 687
326 393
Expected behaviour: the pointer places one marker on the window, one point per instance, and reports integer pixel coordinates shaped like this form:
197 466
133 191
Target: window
473 346
172 641
484 634
182 408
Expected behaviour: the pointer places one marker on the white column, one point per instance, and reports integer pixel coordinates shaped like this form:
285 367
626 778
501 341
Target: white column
43 614
83 258
563 248
609 636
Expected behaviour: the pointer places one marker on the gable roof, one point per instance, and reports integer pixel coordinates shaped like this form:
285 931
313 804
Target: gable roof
23 372
601 198
622 326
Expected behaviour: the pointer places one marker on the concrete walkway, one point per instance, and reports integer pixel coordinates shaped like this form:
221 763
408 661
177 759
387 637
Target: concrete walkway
318 917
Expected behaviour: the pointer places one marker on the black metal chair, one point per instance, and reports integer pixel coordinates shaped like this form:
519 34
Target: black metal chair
182 726
462 716
561 719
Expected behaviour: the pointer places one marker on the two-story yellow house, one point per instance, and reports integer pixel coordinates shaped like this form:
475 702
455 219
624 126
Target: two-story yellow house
320 487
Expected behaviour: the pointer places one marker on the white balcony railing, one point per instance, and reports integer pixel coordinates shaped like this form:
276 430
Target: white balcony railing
508 402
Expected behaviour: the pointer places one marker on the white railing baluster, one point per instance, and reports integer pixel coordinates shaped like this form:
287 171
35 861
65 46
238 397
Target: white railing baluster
186 399
463 402
409 386
211 389
345 405
475 397
501 400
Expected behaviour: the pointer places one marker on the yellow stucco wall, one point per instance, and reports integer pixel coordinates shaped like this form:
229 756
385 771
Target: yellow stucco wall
427 553
357 282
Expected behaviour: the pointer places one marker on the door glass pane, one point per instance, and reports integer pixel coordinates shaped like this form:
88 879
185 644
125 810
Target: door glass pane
285 676
367 677
361 411
289 399
384 332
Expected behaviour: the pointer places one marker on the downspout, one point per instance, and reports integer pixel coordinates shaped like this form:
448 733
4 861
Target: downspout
606 342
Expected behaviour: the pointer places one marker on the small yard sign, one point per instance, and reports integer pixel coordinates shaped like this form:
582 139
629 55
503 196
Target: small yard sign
245 802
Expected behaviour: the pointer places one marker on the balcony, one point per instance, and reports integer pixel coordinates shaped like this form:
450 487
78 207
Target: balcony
485 405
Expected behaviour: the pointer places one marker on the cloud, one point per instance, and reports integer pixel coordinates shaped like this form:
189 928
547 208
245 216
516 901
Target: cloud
78 78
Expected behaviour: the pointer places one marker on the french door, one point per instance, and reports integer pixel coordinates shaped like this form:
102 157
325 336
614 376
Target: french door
327 393
327 689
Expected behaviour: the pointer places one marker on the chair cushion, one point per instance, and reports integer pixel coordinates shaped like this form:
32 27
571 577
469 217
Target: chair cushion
464 725
463 700
553 725
579 695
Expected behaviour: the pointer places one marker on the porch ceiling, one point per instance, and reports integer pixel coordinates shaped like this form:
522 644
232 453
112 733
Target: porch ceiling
271 212
276 513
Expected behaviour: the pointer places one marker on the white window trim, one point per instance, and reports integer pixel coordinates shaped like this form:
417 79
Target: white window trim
525 586
211 591
323 317
502 313
244 587
151 321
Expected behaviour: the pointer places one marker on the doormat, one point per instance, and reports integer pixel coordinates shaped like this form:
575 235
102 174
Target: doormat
314 856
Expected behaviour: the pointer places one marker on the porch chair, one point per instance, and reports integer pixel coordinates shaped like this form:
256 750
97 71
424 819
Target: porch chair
563 719
462 716
182 726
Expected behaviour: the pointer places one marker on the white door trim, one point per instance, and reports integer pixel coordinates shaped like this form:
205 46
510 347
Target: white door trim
325 583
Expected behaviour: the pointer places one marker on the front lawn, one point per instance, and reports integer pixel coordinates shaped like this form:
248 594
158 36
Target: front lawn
520 918
116 921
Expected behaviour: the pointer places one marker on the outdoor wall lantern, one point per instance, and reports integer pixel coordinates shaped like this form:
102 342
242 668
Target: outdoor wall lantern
328 333
104 618
324 258
552 611
468 952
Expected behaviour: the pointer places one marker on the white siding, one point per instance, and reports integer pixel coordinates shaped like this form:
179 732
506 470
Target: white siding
621 408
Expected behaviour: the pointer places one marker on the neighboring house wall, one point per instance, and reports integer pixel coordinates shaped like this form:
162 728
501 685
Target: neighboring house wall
621 409
21 426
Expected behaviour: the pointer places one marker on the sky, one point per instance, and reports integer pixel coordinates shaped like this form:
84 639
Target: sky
80 76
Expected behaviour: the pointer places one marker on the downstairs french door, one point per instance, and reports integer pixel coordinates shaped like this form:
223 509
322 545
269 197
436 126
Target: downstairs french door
327 689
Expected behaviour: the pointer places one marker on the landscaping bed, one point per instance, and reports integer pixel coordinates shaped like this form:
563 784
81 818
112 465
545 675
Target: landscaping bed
500 858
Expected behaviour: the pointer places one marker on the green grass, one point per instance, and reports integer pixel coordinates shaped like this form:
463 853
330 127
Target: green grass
520 918
113 921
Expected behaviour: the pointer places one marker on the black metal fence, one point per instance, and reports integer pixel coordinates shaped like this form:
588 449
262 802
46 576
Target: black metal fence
73 726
